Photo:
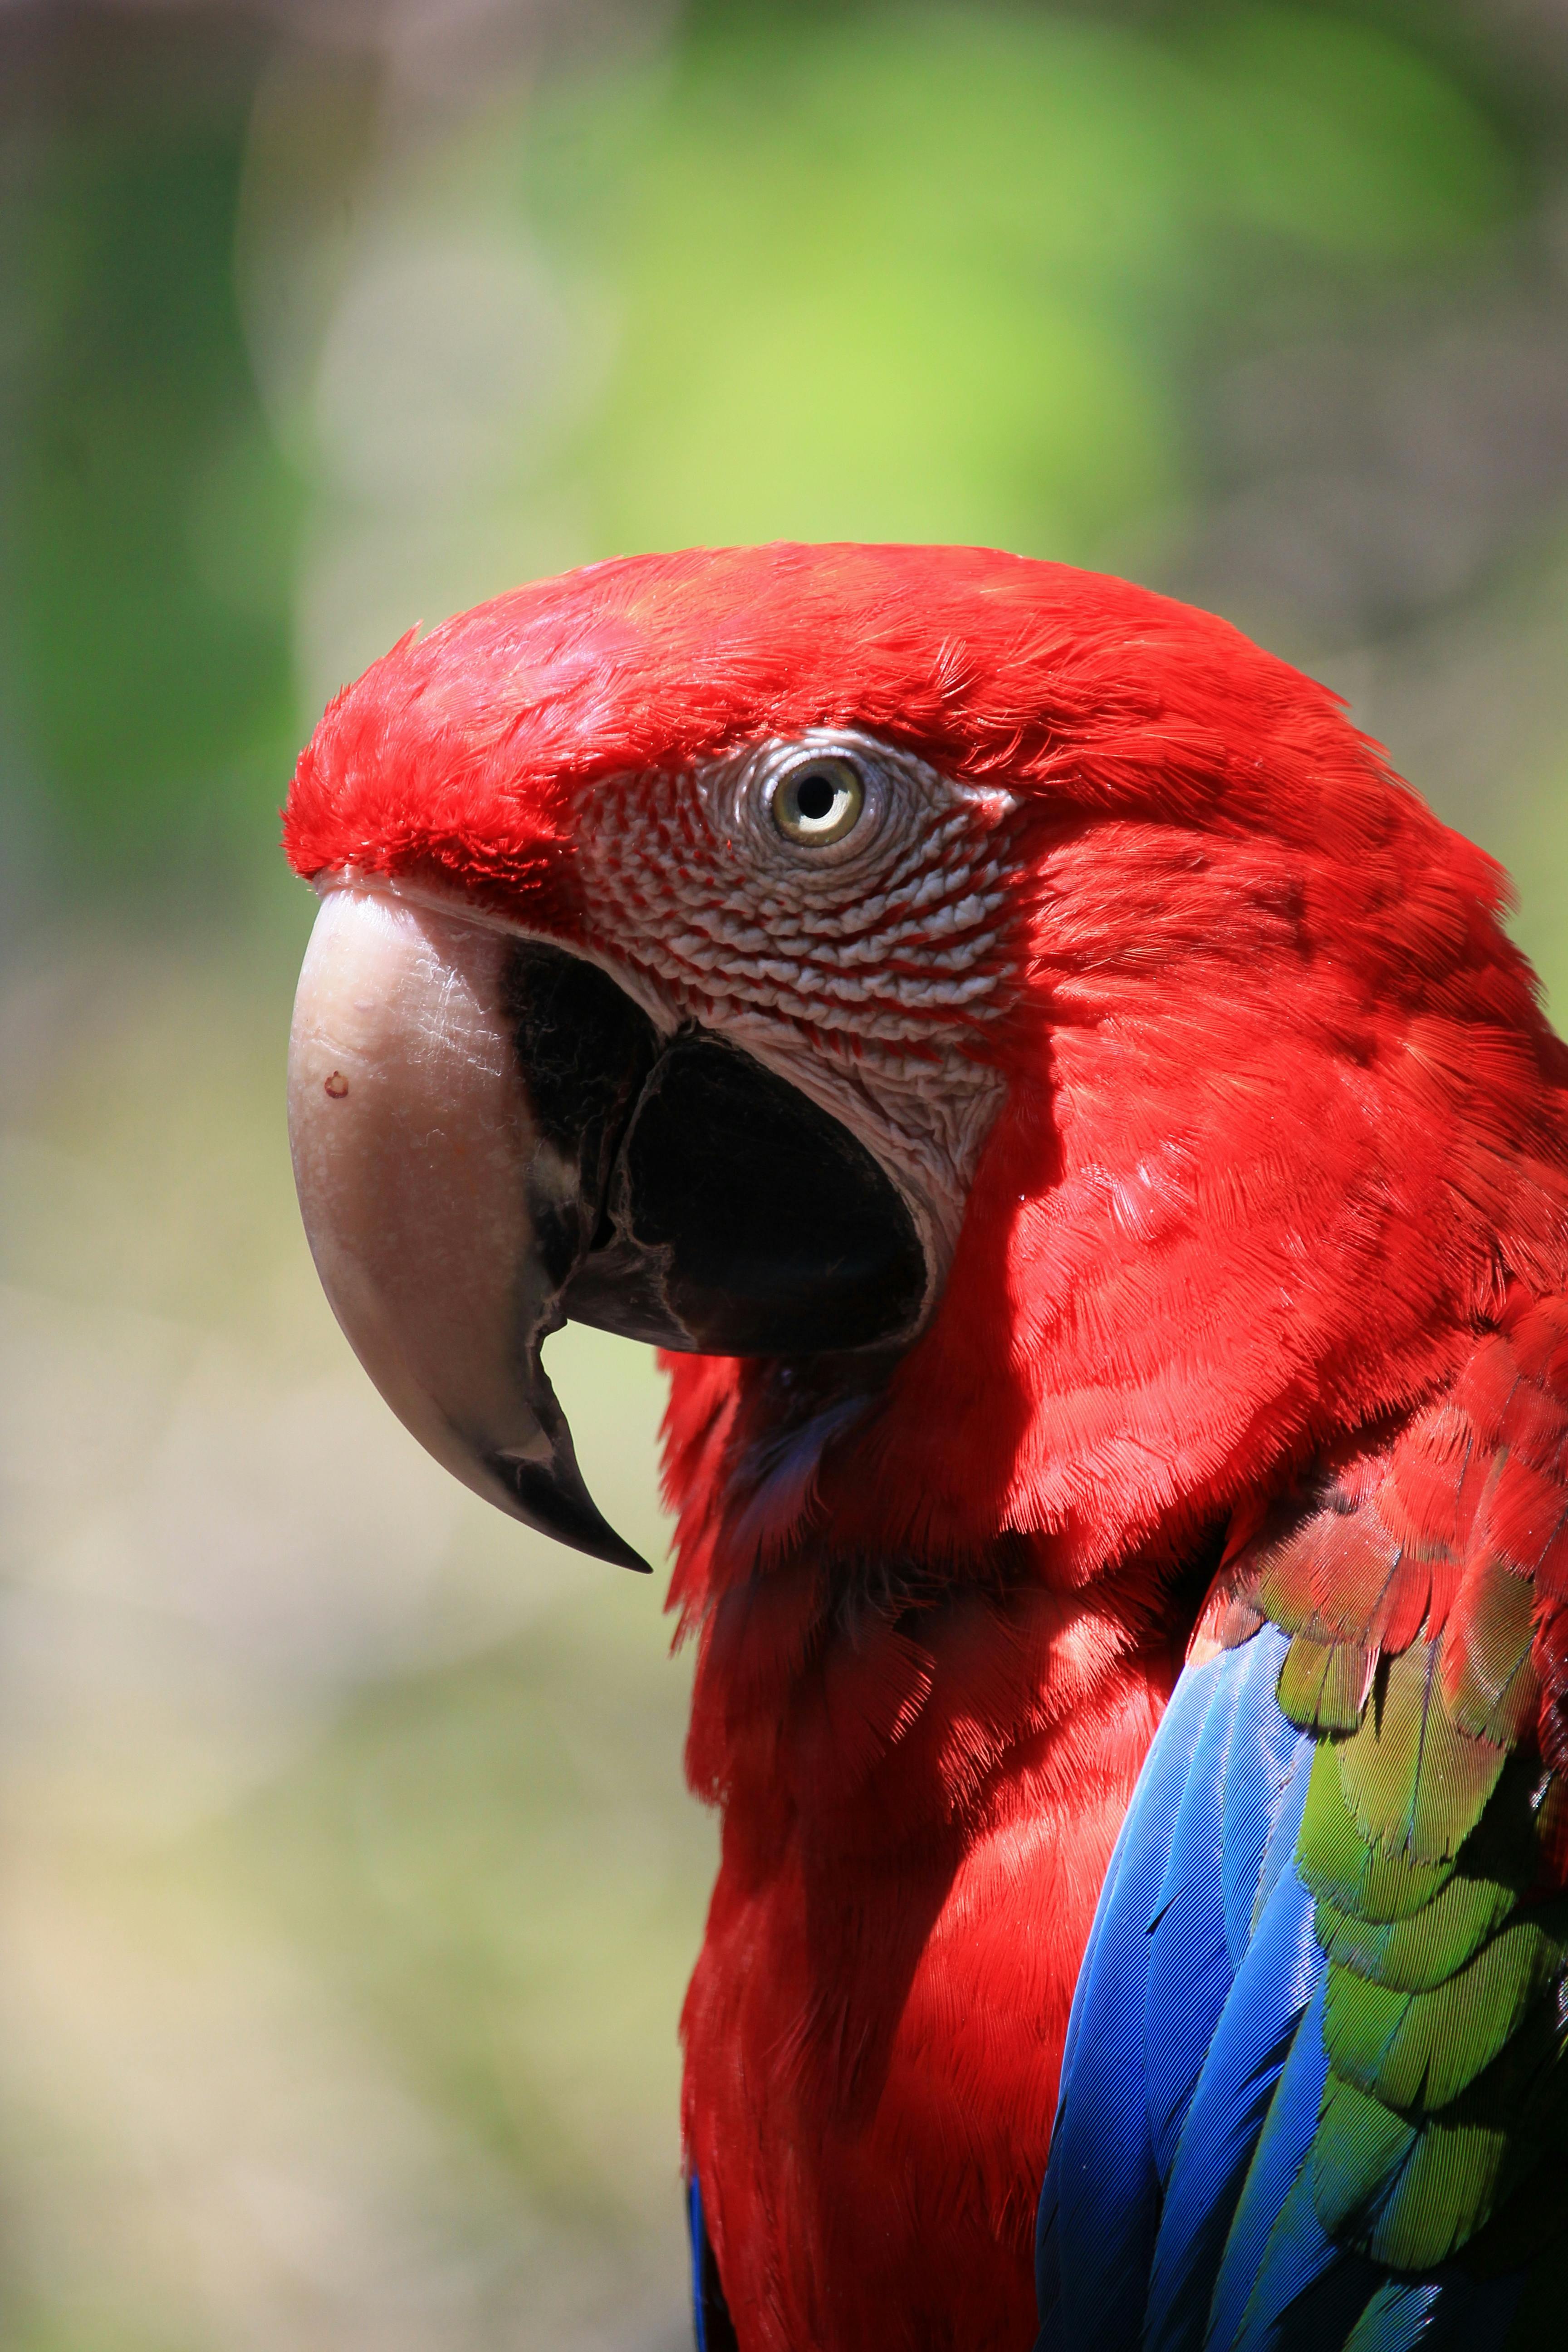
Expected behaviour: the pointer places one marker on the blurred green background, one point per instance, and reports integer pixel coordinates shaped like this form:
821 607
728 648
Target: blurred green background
350 1885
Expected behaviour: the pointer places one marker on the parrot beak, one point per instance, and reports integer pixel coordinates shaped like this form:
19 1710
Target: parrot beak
439 1212
490 1138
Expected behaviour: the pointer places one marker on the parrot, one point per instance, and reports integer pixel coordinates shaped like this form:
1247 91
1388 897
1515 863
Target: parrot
1095 1168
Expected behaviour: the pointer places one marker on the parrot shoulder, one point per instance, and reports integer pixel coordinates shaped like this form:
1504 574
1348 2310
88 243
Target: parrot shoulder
1315 2091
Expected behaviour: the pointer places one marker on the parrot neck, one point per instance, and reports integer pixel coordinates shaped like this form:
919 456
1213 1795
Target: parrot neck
921 1777
874 1704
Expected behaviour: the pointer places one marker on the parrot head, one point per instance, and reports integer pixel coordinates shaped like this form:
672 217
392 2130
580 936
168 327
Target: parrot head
1009 1038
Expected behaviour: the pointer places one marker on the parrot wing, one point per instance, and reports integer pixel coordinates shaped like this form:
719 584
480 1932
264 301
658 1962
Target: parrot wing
1315 2088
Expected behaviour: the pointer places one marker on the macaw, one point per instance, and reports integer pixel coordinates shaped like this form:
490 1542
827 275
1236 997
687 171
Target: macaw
1098 1171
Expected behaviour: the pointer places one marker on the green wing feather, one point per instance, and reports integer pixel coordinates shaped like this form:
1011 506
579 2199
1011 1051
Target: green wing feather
1420 1594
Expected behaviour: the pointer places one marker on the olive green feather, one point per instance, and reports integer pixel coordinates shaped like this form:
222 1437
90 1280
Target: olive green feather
1421 1950
1417 2050
1416 1782
1338 1865
1447 2085
1322 1686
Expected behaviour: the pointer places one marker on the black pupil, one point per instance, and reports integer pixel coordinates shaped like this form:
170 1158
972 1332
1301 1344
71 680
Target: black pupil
815 795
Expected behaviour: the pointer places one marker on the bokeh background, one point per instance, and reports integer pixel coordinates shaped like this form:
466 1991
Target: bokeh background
349 1884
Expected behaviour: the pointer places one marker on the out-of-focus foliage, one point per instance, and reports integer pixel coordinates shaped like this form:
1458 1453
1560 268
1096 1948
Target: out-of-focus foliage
350 1886
150 545
1345 141
907 280
941 273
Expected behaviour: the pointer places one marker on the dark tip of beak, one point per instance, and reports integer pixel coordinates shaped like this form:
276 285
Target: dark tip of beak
562 1507
547 1489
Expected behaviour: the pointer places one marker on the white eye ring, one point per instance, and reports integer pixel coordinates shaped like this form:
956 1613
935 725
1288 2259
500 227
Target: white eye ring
818 800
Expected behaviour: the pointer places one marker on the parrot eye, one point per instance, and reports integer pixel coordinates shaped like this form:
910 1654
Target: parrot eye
818 801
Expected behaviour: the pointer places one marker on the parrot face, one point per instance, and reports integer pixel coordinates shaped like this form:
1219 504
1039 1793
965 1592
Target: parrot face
736 1115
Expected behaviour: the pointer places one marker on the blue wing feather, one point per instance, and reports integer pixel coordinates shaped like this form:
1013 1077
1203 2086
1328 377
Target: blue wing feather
1277 1976
1264 1757
1190 1969
1298 2257
1104 2187
1176 2214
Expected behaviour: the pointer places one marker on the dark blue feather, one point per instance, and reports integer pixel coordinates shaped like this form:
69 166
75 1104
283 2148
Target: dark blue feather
1287 2133
1104 2184
714 2330
1278 1978
1047 2262
1265 1753
698 2239
1190 1968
